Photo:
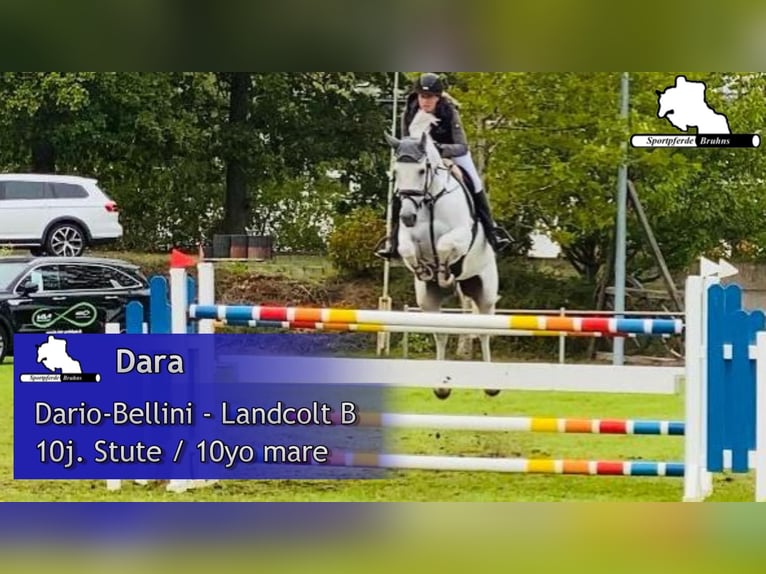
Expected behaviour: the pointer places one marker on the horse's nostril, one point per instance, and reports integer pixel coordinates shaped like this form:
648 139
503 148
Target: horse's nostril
408 220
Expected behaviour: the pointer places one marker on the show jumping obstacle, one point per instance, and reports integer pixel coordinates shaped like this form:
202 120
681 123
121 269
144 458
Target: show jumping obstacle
725 373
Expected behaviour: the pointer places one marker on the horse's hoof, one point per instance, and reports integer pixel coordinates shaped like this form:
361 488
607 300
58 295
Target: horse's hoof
446 283
442 393
491 393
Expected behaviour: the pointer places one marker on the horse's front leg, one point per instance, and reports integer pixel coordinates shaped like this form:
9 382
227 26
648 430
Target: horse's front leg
429 299
409 255
486 300
451 247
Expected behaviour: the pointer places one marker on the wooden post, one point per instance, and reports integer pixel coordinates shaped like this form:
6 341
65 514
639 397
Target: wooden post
384 338
655 247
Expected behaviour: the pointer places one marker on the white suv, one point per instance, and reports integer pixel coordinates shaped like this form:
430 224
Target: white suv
55 215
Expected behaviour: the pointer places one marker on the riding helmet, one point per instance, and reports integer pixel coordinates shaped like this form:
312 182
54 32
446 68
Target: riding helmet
429 83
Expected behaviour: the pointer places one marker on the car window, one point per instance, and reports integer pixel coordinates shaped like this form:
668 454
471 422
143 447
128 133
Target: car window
9 272
84 277
22 190
119 279
45 277
68 191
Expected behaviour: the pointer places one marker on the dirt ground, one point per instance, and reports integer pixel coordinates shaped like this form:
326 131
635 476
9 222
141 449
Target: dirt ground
285 281
279 290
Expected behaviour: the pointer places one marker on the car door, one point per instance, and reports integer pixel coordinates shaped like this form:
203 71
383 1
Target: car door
122 287
39 304
24 210
90 296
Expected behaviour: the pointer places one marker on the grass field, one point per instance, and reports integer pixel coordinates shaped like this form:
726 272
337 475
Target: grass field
404 486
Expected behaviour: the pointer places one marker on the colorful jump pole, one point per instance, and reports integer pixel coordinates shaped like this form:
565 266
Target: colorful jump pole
517 424
373 328
243 313
510 465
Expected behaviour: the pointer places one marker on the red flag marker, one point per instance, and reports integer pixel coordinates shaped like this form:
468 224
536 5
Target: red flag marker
179 259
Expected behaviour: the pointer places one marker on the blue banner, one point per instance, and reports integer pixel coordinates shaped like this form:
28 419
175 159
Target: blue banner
186 407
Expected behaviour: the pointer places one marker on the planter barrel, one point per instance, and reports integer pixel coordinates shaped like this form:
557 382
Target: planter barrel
259 247
239 246
221 246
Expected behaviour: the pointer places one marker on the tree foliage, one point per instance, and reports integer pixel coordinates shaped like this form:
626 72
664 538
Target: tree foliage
189 154
549 144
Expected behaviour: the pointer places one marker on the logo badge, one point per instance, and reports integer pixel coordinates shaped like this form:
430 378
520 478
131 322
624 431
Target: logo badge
81 315
63 368
684 106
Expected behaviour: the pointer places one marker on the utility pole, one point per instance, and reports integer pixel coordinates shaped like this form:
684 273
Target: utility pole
618 352
384 302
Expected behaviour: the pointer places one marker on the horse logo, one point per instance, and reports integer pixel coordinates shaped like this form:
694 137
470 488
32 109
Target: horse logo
684 106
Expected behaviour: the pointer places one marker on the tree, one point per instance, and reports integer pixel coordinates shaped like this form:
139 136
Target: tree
144 136
38 110
285 128
236 206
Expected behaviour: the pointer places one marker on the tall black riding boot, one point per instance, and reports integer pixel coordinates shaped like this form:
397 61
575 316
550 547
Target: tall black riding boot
497 240
393 240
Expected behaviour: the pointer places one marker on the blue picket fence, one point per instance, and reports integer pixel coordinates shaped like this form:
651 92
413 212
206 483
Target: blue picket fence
159 321
731 413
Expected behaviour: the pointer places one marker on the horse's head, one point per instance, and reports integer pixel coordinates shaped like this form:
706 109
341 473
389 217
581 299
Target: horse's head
418 173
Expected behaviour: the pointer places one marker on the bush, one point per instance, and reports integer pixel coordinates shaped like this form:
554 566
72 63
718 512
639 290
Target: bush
353 240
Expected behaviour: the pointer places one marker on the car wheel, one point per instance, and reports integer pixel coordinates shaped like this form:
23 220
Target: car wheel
5 343
65 240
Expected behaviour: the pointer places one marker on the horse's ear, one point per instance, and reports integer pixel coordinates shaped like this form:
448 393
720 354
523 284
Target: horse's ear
423 141
392 141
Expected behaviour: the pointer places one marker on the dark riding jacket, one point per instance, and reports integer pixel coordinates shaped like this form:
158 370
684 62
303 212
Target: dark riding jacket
448 133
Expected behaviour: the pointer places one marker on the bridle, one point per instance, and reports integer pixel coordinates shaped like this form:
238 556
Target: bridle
422 197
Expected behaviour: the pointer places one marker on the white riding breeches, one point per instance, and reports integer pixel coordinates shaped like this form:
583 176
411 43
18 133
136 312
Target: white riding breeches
466 162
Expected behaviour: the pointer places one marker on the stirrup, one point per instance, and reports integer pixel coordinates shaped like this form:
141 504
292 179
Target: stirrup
388 255
502 234
500 243
381 242
500 239
383 252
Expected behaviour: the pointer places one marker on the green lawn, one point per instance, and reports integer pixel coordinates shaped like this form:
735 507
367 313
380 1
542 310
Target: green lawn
438 486
287 266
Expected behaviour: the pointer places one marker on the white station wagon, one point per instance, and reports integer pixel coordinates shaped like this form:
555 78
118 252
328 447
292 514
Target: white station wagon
56 215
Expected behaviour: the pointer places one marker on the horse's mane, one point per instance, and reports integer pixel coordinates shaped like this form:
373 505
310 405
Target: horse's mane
422 122
451 99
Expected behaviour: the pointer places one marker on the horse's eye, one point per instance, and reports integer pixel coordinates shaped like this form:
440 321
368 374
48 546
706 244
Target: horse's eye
422 171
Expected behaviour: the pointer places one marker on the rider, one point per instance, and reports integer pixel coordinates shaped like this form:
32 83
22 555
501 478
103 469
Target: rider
428 94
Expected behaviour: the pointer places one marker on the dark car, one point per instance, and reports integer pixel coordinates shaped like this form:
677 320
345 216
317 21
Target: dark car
65 295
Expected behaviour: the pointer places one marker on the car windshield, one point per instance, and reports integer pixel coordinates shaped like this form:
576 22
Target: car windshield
9 270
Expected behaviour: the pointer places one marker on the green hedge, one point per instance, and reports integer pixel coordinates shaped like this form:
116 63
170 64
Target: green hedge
351 244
